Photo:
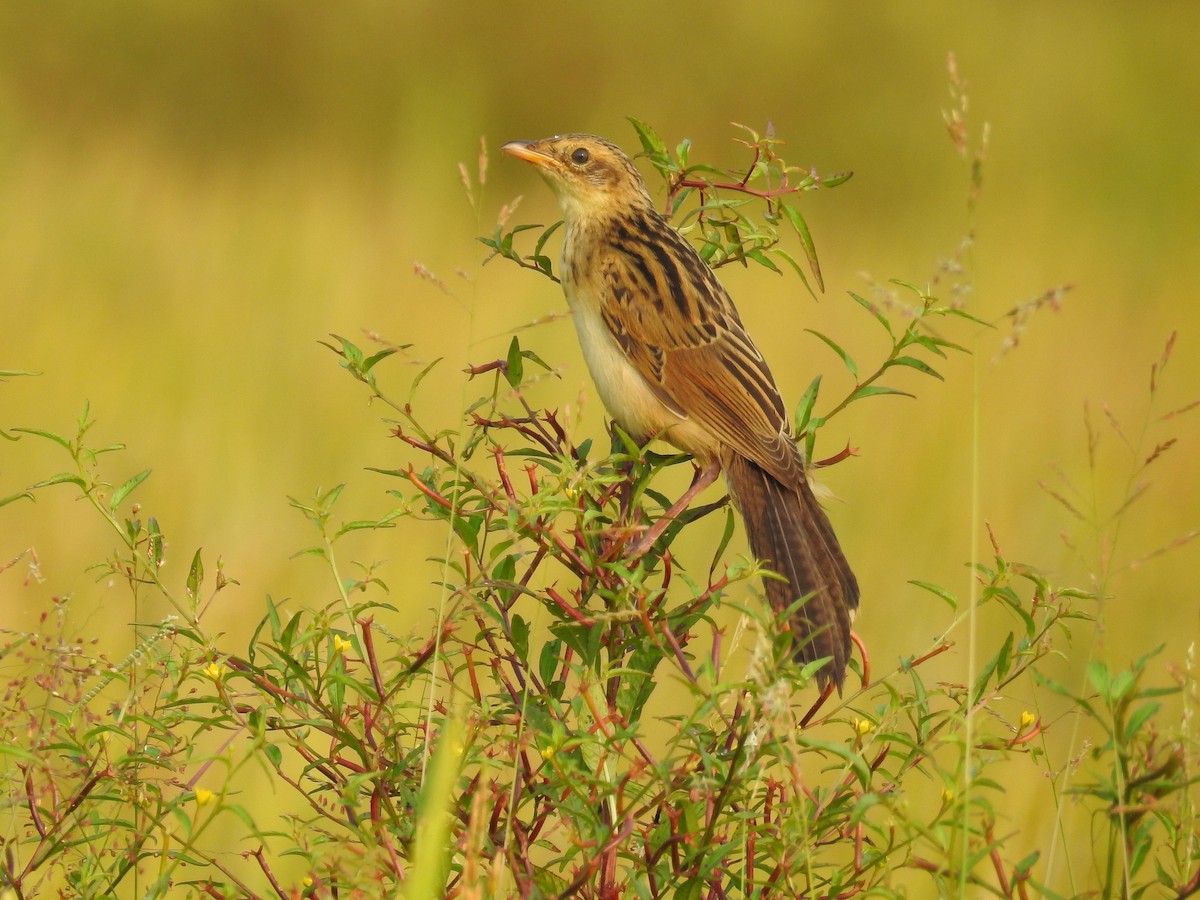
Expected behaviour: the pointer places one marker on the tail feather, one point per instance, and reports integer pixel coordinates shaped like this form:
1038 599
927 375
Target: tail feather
791 534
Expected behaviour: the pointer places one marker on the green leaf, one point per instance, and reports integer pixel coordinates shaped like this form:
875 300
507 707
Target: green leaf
924 721
984 675
330 497
913 363
504 573
787 257
875 311
1142 844
412 391
733 238
630 446
546 232
873 390
548 661
1121 684
651 142
811 669
806 241
48 435
1004 658
1026 865
155 543
288 636
934 345
703 169
126 489
195 576
1097 673
836 348
865 803
273 754
761 258
584 640
909 286
514 367
348 352
1139 718
533 357
939 592
465 526
959 314
1062 689
368 524
432 846
832 181
726 537
1140 662
805 407
853 761
12 498
520 637
682 149
60 478
370 362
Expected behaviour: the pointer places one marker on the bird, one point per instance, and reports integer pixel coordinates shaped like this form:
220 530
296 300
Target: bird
671 360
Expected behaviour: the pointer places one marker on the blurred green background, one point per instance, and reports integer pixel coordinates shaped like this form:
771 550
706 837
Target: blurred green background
193 195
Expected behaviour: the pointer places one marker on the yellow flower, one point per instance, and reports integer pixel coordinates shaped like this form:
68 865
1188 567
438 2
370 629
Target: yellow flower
340 644
947 796
1027 719
215 671
203 797
863 727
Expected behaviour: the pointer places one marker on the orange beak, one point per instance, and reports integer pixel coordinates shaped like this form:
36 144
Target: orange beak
524 150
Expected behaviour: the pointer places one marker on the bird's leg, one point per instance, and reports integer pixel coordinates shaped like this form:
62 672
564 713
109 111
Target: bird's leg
703 478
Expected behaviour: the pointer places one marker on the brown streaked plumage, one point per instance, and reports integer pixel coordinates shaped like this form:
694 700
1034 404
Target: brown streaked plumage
671 359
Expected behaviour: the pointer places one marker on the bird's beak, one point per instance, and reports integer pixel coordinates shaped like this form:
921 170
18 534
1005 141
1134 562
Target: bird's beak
525 150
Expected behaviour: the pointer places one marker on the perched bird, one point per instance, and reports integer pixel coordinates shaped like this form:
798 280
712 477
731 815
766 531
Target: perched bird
672 360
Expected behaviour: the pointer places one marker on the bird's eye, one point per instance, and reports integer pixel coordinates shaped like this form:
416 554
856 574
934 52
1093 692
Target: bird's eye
580 156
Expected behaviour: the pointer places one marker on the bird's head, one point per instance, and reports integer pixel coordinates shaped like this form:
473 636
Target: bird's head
590 176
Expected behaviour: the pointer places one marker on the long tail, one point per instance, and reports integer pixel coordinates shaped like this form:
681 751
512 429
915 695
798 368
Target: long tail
791 534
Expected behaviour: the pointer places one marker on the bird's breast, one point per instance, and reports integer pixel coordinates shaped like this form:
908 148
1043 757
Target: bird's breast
626 394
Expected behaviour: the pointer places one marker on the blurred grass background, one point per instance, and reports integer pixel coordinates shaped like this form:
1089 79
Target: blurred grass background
193 195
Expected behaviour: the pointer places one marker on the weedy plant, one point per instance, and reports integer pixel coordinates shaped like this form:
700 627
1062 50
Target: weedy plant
579 721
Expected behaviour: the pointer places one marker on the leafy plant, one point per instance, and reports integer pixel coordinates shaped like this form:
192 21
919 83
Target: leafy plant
579 721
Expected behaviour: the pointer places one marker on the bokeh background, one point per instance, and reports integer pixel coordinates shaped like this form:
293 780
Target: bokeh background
193 195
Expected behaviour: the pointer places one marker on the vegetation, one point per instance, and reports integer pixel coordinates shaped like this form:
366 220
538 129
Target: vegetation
535 742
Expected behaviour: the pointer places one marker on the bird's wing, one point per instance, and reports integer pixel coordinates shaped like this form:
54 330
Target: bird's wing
675 323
